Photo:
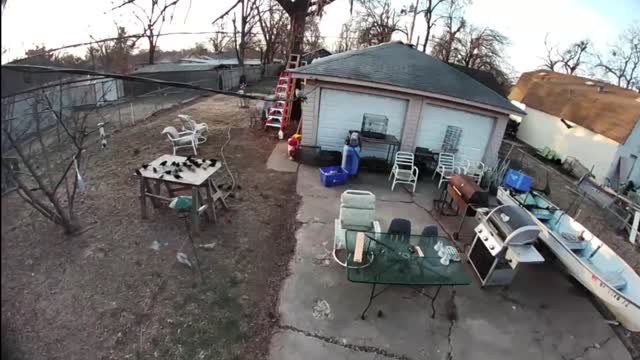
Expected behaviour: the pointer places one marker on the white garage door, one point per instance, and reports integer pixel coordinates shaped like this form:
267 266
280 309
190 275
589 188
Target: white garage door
476 130
341 111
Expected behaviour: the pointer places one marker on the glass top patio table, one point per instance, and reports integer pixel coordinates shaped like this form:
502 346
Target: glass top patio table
393 261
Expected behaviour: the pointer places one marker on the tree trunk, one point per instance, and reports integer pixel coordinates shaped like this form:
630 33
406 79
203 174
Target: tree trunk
426 39
298 21
152 49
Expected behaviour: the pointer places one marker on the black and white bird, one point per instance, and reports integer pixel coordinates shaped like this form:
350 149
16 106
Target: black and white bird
163 163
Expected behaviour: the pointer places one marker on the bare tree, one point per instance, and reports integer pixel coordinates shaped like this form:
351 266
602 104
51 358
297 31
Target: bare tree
220 40
622 62
481 48
552 57
376 22
47 147
274 25
112 55
445 44
152 20
432 13
313 39
568 60
347 40
248 11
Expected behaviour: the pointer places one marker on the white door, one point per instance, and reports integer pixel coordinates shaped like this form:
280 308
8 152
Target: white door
476 131
341 111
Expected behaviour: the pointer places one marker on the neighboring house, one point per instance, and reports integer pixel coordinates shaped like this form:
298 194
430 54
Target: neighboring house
419 94
309 57
594 122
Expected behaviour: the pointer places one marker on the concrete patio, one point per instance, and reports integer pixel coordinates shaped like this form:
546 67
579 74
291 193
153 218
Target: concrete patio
541 316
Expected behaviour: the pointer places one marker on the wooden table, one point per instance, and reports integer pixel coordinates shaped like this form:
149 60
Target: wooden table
150 183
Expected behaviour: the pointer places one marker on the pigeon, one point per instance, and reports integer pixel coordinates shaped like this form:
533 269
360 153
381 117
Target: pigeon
168 172
197 164
138 172
161 176
177 176
163 163
155 170
145 166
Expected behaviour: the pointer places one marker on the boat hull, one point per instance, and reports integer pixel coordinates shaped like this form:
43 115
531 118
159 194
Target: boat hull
625 310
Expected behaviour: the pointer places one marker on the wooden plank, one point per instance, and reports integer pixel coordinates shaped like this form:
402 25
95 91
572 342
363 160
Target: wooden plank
195 205
159 197
419 251
357 255
143 198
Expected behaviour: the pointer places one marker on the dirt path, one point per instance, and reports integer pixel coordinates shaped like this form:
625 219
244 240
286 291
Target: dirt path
106 294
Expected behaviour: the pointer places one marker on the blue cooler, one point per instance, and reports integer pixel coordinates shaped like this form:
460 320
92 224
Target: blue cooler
517 181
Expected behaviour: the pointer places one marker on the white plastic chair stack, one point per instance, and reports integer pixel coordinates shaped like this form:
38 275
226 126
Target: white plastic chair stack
188 124
475 169
404 171
357 211
181 139
446 167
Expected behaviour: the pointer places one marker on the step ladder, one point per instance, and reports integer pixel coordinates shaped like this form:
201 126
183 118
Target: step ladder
278 114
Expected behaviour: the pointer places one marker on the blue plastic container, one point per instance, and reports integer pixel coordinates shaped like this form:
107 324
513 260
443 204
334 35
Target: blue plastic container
517 180
333 176
350 159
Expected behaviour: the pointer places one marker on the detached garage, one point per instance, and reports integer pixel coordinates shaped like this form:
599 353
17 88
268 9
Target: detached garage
421 98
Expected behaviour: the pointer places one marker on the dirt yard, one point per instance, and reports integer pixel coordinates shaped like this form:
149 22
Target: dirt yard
107 294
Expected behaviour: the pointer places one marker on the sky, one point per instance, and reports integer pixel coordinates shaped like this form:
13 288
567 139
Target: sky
525 22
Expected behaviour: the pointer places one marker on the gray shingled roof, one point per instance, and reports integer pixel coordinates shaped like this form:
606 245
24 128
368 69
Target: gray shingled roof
400 65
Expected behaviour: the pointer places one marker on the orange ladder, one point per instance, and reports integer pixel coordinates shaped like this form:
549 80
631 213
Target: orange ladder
278 114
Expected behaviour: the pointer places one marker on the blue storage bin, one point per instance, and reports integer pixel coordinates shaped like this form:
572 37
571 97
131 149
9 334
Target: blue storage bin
333 175
517 181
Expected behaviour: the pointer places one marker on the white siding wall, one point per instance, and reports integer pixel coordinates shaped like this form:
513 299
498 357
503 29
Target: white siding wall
540 129
476 131
630 148
341 111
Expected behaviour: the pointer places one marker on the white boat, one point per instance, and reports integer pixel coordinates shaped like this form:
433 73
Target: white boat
588 259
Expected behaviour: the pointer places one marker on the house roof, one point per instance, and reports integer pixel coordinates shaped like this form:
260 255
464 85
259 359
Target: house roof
612 113
401 65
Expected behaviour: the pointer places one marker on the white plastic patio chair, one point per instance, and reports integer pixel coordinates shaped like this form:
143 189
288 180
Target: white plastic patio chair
404 171
446 167
181 139
474 169
188 124
357 211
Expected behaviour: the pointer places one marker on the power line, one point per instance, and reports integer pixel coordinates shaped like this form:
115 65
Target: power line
50 69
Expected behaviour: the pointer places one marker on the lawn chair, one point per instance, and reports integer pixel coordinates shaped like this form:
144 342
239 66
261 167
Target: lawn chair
357 211
188 124
181 139
446 167
475 170
404 171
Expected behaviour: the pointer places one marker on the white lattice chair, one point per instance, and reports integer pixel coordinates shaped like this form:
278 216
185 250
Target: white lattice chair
188 124
446 167
404 171
181 139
